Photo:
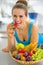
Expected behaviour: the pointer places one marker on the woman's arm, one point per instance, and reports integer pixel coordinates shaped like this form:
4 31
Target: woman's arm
34 37
11 38
33 40
11 43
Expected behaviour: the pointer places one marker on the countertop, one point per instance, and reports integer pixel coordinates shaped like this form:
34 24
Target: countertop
6 60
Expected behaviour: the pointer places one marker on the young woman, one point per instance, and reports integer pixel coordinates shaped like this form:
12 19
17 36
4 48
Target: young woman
25 32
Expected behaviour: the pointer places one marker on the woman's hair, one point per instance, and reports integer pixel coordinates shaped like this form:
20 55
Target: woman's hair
22 4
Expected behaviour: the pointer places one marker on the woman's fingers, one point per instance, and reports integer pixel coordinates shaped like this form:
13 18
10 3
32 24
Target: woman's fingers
9 26
10 31
5 49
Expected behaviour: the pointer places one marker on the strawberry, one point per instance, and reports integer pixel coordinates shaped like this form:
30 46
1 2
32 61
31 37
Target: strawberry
21 51
15 25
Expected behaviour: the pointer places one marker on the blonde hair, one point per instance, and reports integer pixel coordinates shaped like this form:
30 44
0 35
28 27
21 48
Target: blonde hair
22 4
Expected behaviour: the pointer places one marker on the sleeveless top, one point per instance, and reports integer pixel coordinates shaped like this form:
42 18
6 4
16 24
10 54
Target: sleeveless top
29 35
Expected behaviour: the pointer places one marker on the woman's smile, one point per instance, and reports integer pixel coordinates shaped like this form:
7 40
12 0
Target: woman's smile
18 22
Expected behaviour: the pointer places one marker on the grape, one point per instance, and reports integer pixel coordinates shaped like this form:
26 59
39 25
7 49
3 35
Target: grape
29 58
29 54
25 54
17 56
38 55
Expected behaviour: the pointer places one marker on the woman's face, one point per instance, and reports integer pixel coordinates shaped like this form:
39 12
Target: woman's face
19 16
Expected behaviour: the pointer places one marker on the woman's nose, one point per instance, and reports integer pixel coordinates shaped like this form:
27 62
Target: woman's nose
17 19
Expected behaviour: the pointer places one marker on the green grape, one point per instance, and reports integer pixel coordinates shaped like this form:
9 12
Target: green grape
33 57
38 55
37 59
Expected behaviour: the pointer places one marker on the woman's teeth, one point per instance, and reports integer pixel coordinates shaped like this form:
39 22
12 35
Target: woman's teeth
18 22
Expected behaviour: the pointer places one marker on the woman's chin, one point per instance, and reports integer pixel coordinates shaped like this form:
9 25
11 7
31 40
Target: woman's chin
18 26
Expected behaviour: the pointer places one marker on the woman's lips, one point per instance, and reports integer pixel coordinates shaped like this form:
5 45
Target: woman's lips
18 22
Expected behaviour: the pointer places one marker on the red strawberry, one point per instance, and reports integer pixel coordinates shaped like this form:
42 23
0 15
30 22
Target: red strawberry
21 51
15 25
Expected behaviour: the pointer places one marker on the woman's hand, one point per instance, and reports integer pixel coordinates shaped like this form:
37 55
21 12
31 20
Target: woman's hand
10 30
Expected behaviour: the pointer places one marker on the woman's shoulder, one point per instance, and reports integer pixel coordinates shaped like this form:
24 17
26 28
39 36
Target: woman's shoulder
28 22
31 23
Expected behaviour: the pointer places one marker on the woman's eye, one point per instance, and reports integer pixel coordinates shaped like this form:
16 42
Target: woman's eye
14 16
20 16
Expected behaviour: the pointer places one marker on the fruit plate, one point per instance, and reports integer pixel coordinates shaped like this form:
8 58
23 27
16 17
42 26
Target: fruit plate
24 62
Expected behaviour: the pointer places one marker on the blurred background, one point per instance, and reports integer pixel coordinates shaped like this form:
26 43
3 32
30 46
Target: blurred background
35 6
